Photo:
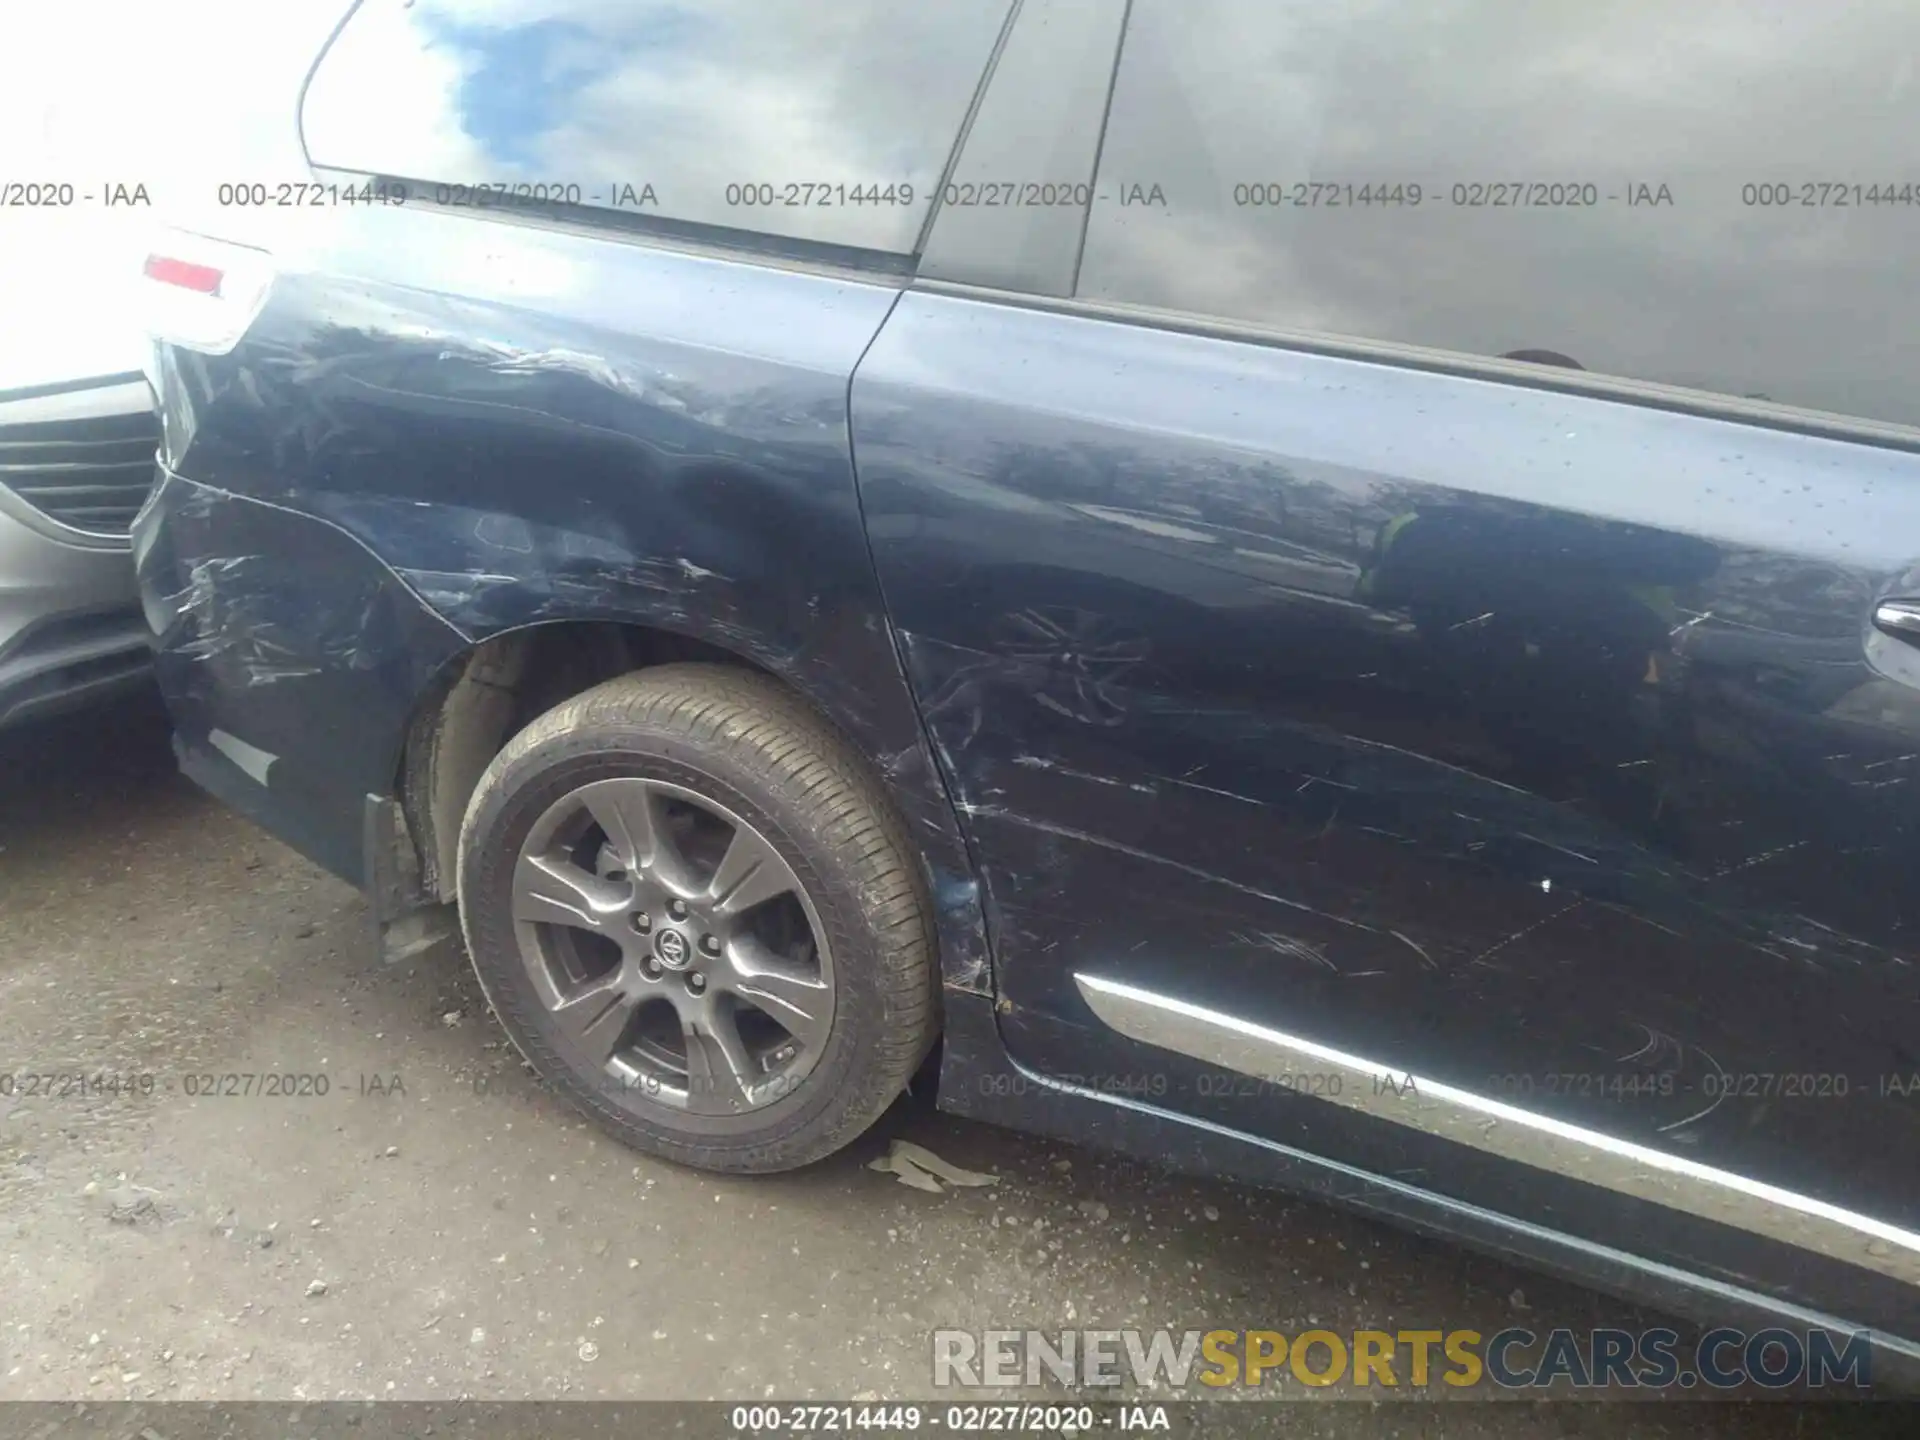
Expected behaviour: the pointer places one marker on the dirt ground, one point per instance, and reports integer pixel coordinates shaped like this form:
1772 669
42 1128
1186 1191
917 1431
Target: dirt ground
436 1226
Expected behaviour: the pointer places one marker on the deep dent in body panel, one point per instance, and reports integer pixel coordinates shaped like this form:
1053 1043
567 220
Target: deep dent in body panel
704 487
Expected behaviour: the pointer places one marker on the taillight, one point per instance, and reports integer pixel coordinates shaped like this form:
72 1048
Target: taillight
169 271
201 293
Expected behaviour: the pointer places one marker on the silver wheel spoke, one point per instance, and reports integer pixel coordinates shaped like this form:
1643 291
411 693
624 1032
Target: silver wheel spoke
624 810
719 1070
558 891
595 1019
793 995
749 874
631 862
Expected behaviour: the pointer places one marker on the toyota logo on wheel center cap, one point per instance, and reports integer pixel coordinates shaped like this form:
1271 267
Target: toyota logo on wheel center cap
672 949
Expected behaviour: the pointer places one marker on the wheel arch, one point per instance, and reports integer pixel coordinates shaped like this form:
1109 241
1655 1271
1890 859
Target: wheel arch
484 694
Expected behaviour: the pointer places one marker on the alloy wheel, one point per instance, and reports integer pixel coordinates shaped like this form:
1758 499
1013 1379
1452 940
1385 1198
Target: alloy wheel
675 950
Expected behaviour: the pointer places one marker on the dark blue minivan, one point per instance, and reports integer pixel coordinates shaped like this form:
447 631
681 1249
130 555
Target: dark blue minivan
1326 593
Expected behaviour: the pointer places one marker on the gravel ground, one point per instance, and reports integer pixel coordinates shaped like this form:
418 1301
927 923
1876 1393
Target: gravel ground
436 1226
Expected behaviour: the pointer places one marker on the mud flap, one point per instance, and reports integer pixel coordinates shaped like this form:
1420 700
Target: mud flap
406 920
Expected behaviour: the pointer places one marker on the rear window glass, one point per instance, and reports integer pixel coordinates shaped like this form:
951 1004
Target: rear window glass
817 120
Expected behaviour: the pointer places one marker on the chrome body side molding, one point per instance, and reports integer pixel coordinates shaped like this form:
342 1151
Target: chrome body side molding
1505 1130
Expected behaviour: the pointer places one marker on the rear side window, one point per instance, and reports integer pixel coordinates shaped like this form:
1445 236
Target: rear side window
815 120
1721 194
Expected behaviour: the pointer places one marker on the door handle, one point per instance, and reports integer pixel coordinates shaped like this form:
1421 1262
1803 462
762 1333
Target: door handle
1899 618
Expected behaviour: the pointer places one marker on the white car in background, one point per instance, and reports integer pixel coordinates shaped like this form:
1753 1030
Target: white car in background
77 442
77 436
77 430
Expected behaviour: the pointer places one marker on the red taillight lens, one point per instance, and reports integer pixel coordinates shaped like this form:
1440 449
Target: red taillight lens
200 293
203 279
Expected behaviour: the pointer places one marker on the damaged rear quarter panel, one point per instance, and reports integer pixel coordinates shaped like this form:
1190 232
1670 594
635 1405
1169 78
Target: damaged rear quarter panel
388 471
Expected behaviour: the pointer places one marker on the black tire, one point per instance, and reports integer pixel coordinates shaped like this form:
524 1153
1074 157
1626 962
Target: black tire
742 741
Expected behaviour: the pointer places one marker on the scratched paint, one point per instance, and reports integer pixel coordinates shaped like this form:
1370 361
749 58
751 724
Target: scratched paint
1507 765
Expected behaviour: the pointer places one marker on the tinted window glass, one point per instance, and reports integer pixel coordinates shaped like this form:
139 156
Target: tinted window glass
1723 194
827 120
1015 210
